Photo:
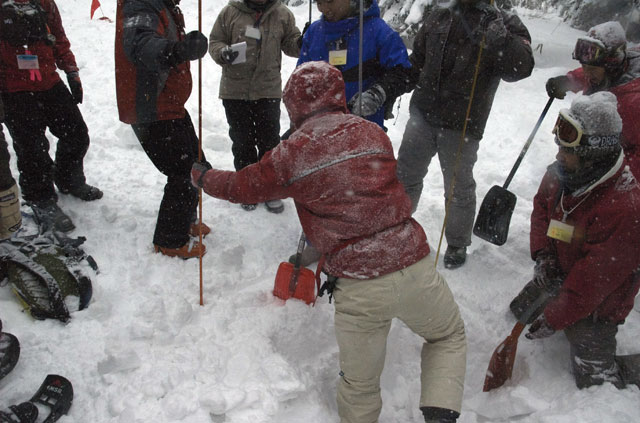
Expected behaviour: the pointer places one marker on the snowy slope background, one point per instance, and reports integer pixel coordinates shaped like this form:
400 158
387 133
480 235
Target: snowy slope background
145 351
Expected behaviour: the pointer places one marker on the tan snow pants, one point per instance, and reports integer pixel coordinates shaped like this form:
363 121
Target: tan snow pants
418 296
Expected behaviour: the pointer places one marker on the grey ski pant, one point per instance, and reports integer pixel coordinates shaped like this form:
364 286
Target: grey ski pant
419 296
420 142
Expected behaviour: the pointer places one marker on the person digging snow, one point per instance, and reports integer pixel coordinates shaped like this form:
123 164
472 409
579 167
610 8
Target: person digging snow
607 65
584 239
340 171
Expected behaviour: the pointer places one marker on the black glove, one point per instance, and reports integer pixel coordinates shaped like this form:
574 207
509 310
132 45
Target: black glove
492 26
75 86
306 26
193 47
228 56
558 86
198 170
539 329
372 100
547 274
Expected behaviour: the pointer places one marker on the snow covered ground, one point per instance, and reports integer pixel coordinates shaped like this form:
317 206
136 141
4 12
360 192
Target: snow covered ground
145 351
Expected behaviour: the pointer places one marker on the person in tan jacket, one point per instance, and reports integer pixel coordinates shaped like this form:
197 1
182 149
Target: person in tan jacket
251 89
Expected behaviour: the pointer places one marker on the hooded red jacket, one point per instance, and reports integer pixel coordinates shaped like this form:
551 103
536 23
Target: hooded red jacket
50 57
602 262
341 173
627 91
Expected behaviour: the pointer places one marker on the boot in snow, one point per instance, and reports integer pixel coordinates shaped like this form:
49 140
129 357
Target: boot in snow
85 192
23 413
49 216
9 352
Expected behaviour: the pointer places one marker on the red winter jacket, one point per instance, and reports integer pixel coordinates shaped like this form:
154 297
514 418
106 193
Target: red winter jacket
604 253
627 91
149 87
13 79
341 173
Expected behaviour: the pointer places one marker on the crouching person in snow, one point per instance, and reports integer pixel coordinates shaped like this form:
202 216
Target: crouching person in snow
340 170
153 82
584 239
33 45
607 65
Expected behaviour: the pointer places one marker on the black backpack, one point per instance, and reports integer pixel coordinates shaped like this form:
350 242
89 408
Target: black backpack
47 274
24 23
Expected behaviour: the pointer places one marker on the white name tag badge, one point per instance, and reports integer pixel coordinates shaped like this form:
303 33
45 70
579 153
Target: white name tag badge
338 57
252 32
560 231
28 61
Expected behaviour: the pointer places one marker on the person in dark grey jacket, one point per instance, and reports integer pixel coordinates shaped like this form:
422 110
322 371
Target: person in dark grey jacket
444 57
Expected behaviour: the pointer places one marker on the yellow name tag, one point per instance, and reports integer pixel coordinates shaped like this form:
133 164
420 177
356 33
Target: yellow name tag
338 57
560 231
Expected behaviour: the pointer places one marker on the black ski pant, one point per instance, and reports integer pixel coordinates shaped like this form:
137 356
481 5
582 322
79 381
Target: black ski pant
172 146
28 114
254 128
593 353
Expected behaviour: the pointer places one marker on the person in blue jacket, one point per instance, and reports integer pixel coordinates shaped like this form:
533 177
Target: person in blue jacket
334 38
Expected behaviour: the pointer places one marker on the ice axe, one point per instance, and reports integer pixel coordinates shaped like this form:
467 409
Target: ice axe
501 363
494 216
293 280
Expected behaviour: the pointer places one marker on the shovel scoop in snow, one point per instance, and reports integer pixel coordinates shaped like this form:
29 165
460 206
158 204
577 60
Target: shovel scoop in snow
295 281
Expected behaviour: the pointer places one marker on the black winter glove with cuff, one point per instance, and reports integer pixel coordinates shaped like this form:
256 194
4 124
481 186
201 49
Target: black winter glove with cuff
75 86
547 274
198 170
193 47
558 86
540 329
492 26
372 100
228 56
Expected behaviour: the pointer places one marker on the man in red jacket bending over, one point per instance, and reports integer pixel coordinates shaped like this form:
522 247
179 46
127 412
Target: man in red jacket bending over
340 170
584 238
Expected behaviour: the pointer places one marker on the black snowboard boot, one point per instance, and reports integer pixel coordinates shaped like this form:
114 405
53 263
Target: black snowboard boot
439 415
85 192
49 216
23 413
455 257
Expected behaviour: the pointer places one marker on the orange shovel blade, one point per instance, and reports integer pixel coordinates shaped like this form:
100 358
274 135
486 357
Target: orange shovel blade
305 287
501 364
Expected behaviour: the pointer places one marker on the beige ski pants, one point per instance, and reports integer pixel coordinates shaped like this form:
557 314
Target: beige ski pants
418 296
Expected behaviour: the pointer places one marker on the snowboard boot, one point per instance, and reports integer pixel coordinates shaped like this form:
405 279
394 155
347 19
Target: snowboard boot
274 206
9 352
49 216
439 415
26 412
249 207
455 257
309 255
195 228
85 192
629 368
185 252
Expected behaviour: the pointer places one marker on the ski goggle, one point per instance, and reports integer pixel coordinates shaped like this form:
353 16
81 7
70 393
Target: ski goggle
567 130
589 51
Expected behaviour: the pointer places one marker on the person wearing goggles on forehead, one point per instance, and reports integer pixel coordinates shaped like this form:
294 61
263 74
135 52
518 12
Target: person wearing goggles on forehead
607 65
584 239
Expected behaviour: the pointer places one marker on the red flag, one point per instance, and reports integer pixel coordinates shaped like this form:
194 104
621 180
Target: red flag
95 4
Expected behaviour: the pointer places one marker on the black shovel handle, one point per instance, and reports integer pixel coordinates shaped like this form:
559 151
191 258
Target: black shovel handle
296 267
527 144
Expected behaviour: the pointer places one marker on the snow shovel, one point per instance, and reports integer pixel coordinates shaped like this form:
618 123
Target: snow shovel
501 363
494 216
293 280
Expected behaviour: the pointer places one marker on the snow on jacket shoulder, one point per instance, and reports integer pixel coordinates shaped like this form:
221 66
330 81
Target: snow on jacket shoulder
51 55
384 53
603 258
627 91
148 86
258 77
341 172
